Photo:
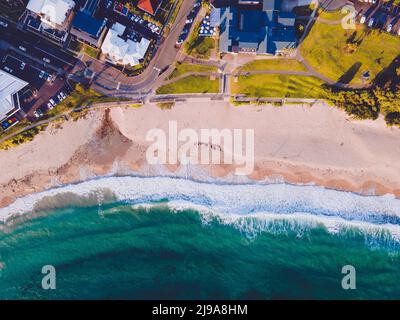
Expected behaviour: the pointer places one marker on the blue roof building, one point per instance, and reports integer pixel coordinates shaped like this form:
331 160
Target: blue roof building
88 28
256 27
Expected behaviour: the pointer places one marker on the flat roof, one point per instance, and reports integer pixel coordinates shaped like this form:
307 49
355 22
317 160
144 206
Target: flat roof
9 86
88 24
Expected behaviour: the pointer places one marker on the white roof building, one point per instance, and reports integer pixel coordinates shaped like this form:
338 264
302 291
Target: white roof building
53 12
9 87
120 51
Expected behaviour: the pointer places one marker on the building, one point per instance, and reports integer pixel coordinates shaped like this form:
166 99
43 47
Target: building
257 27
121 50
149 6
54 13
9 99
87 28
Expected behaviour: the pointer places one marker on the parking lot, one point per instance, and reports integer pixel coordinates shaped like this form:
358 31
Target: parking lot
115 11
189 22
43 83
378 15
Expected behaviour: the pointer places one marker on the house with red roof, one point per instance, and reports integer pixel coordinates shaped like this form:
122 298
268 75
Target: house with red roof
149 6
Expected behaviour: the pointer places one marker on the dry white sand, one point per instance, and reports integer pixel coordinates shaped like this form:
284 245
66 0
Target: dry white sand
300 144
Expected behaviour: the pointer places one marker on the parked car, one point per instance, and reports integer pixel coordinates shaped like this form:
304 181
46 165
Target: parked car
371 22
63 95
41 74
38 113
3 24
363 18
389 27
22 48
52 103
22 65
46 60
9 70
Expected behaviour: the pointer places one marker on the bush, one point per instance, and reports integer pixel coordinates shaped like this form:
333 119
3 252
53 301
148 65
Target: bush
393 119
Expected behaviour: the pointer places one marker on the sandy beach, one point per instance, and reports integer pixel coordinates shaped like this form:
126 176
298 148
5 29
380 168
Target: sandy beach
298 144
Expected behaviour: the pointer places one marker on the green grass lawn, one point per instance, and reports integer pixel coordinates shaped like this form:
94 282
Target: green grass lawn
183 68
90 51
198 46
332 15
344 55
191 84
278 86
273 64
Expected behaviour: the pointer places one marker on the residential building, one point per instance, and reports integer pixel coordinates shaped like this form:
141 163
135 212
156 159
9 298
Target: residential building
149 6
121 50
9 99
87 28
257 27
54 13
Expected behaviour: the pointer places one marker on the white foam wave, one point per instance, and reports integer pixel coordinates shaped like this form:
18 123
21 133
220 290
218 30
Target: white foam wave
240 204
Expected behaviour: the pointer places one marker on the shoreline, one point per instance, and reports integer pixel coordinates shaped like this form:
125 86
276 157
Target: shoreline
316 145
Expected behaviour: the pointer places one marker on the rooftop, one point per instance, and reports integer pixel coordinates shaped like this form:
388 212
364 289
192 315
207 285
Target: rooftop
9 86
54 11
260 29
88 24
123 51
149 6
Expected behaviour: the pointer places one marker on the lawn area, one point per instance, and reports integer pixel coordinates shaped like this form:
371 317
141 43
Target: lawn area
344 55
198 46
273 64
183 68
278 86
191 84
332 15
90 51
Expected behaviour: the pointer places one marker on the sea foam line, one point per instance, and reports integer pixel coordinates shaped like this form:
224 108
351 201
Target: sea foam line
236 201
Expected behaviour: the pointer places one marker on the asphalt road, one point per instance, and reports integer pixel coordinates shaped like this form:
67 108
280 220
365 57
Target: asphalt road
165 56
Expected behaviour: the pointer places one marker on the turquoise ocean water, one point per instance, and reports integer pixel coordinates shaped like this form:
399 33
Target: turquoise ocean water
149 243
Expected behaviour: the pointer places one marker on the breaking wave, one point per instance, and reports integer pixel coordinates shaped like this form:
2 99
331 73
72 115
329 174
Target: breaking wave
252 207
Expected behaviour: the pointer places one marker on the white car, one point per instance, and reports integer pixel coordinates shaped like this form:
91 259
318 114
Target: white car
371 22
63 95
4 24
41 74
22 65
363 18
46 60
8 69
38 113
389 28
22 48
52 102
